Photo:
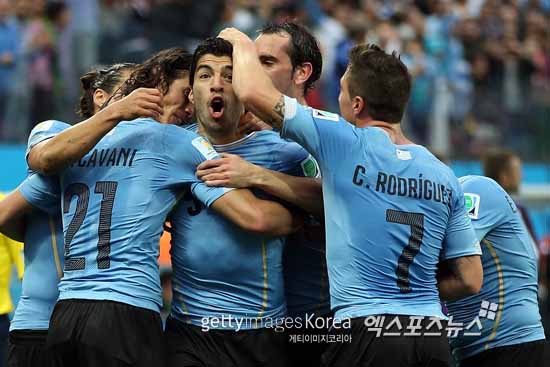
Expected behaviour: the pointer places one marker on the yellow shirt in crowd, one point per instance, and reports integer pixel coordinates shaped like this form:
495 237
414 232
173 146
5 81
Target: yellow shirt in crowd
10 256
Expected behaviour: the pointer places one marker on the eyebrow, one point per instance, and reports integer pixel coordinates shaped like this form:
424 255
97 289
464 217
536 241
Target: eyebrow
204 66
268 58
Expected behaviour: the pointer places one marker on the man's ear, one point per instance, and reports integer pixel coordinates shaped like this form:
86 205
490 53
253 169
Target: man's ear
100 97
191 96
357 105
302 73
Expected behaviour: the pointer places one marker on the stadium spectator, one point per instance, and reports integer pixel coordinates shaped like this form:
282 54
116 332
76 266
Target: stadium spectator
9 44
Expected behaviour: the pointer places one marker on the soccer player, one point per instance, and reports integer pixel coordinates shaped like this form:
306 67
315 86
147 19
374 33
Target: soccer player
394 213
291 57
228 292
114 201
510 332
42 231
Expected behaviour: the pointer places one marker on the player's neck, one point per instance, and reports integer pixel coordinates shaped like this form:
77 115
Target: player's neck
302 100
221 138
393 130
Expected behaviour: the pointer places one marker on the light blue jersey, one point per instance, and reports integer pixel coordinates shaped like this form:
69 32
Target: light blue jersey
304 262
507 305
222 272
114 202
43 250
392 214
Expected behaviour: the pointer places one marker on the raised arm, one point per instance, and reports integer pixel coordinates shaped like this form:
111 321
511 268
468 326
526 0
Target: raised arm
250 82
459 277
233 171
256 215
52 155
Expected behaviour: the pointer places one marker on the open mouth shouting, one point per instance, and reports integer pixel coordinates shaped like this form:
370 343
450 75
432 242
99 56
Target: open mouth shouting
216 107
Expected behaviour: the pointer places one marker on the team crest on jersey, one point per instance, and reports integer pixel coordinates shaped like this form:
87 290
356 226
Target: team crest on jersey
324 115
205 148
472 204
310 167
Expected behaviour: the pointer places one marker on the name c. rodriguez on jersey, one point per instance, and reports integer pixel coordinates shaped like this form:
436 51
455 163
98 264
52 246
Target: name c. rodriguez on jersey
280 324
417 188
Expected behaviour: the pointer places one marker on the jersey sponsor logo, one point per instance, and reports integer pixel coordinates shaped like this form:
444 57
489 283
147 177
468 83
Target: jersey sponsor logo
472 204
310 167
324 115
403 155
205 148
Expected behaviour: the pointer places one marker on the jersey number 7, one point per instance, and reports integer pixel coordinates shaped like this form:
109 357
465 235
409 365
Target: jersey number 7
82 192
416 222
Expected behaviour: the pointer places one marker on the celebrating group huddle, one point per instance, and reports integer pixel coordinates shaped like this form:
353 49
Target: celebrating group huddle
222 145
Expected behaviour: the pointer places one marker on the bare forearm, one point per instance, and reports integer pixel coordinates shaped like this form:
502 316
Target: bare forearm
304 192
278 221
72 144
459 278
452 288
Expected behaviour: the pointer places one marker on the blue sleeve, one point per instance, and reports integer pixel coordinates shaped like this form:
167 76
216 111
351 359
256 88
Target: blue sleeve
460 237
295 160
487 204
184 151
44 131
42 192
321 133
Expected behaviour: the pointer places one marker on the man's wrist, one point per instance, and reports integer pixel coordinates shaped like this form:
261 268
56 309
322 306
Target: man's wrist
259 176
112 114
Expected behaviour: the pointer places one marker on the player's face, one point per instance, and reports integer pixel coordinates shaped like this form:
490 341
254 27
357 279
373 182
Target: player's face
175 103
217 107
272 50
344 100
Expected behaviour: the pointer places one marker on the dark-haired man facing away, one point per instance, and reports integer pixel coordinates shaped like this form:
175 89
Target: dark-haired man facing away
395 215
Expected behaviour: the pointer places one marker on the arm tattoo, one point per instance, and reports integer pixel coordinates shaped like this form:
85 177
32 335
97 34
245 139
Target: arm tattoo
278 114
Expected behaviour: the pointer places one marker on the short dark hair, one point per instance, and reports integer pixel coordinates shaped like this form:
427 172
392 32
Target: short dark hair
302 48
381 79
496 162
210 46
100 78
159 71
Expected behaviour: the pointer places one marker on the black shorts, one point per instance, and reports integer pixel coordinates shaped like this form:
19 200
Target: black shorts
532 354
27 348
356 346
104 333
307 343
188 346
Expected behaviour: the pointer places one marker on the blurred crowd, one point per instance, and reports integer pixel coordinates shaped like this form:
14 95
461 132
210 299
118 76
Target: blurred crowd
481 68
